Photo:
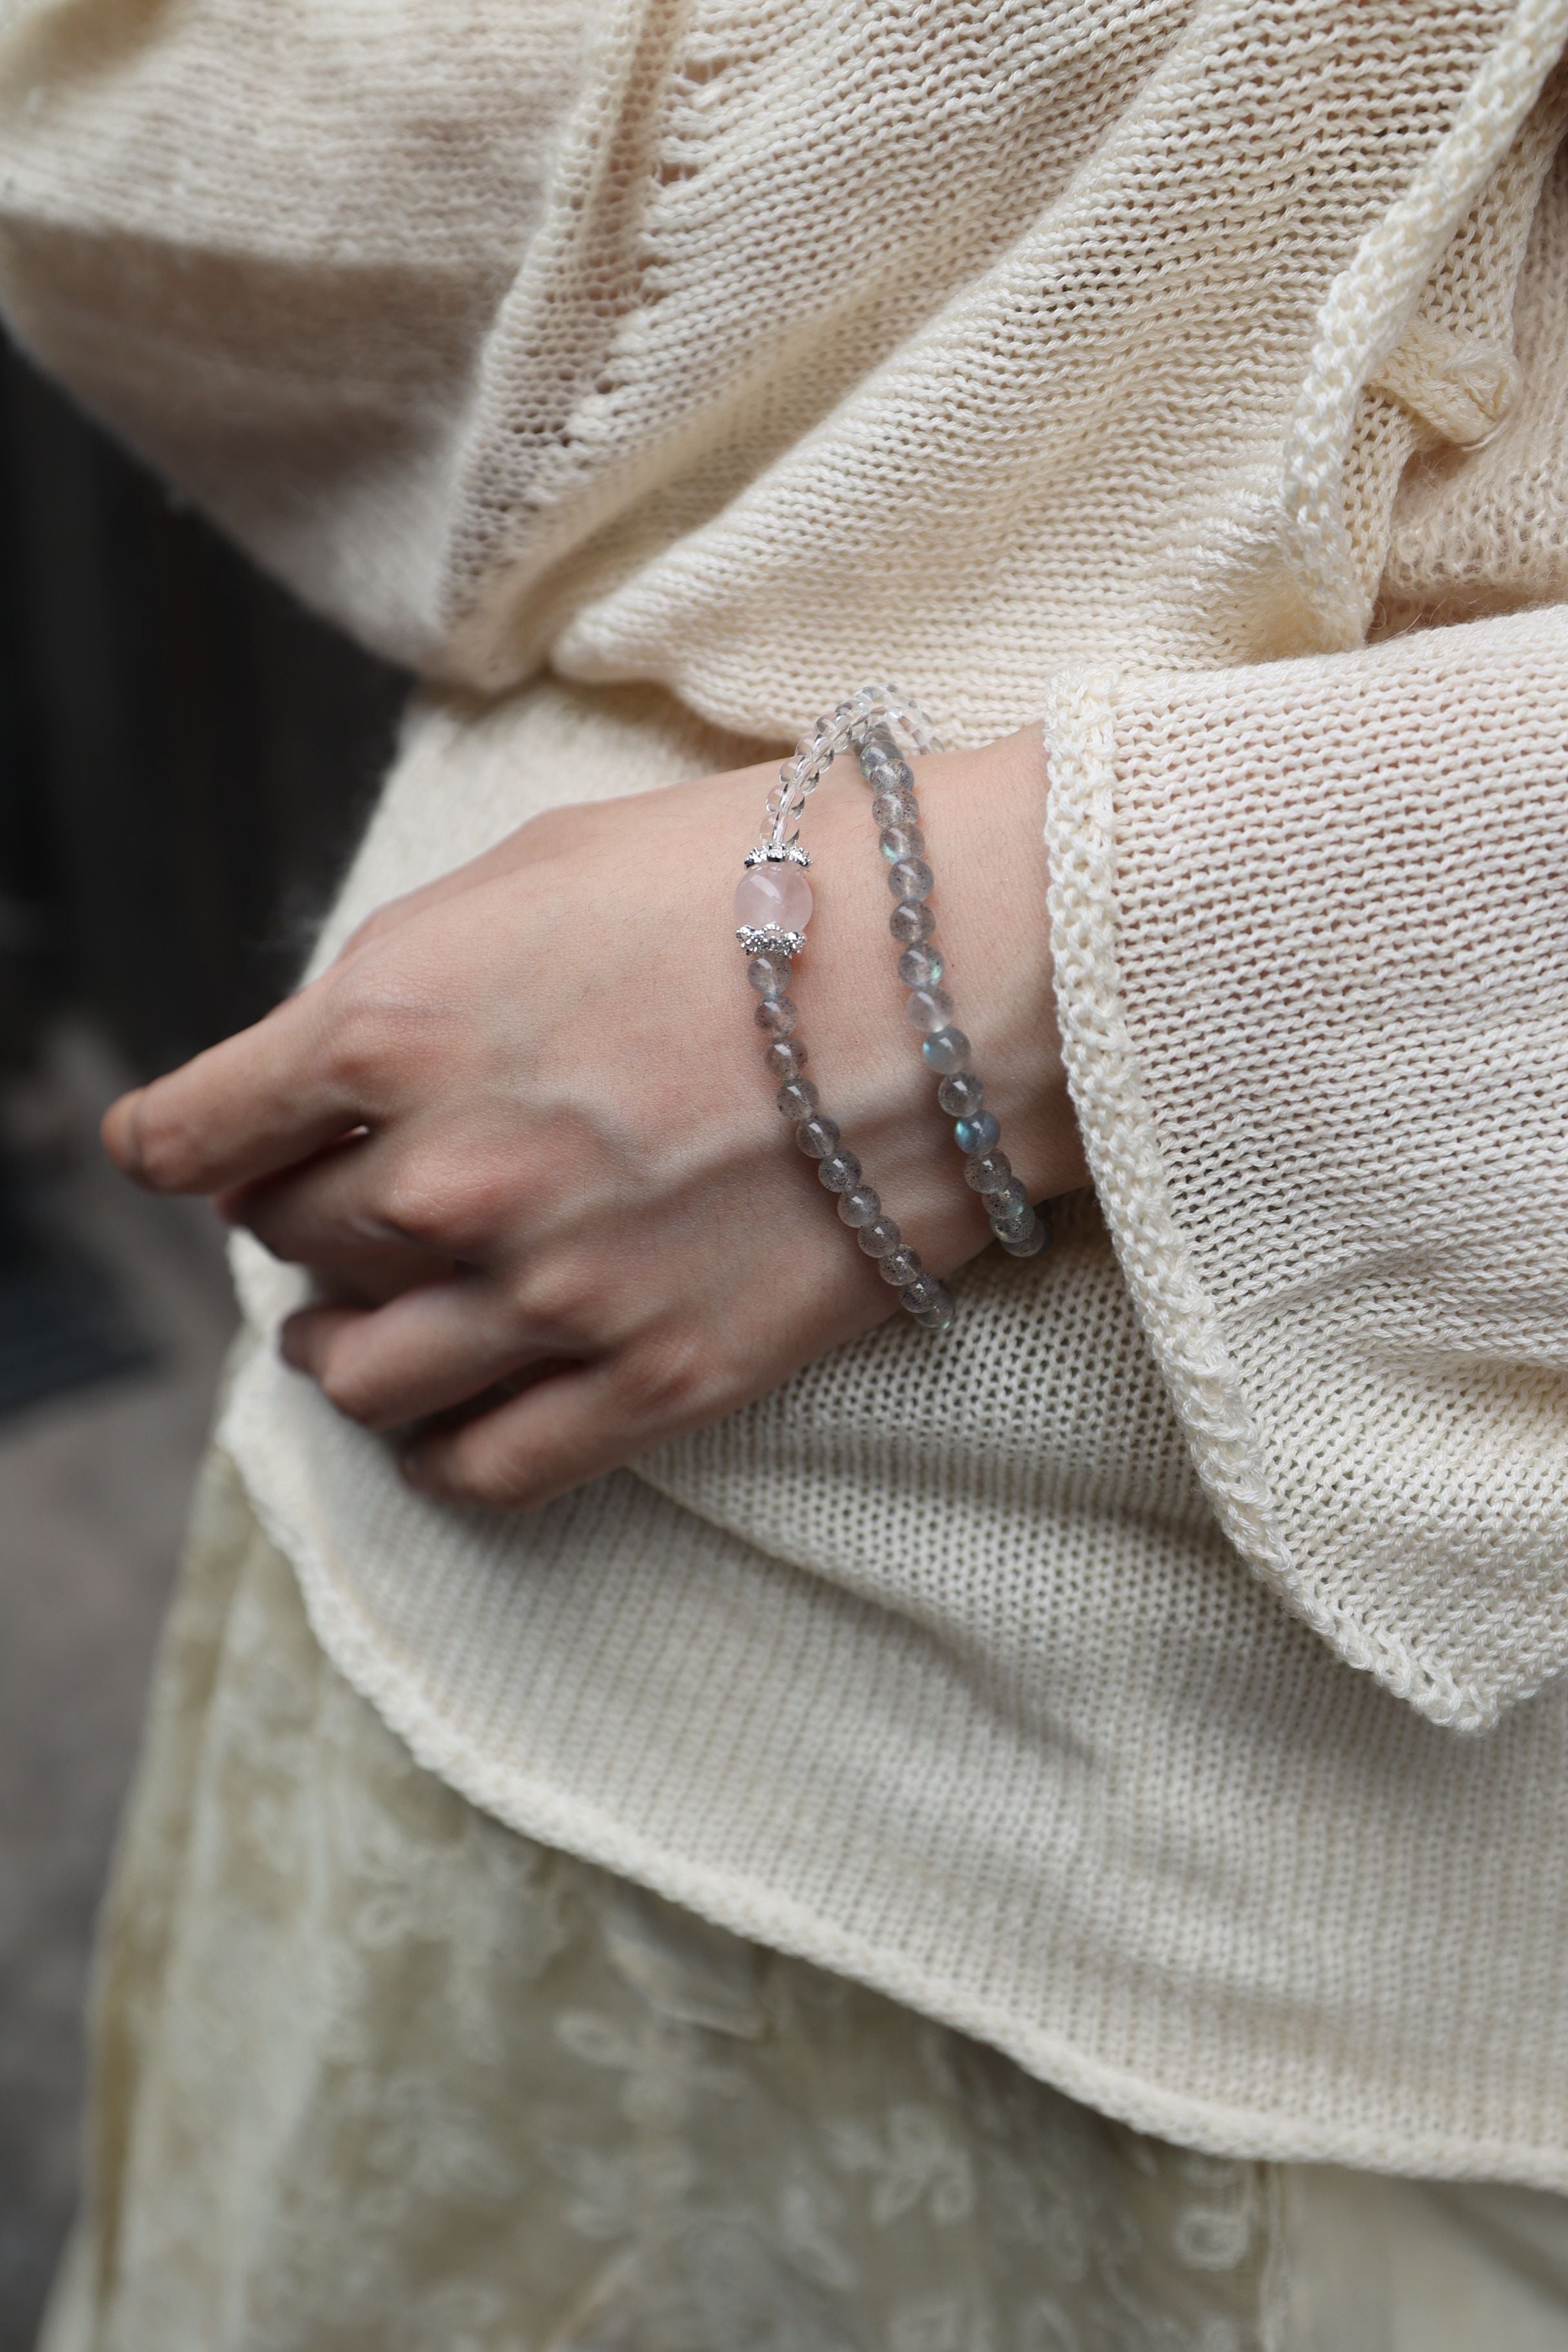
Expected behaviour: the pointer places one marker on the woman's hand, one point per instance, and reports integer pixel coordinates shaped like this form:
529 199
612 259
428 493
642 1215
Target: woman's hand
522 1132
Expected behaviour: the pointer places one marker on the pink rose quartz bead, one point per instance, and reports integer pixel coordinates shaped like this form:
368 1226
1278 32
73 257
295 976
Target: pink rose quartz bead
773 894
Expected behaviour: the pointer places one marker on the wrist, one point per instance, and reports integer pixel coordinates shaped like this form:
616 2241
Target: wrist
983 814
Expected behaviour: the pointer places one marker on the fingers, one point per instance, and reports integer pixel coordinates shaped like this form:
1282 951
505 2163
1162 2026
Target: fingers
559 1432
425 1352
258 1102
577 1423
376 1278
333 1211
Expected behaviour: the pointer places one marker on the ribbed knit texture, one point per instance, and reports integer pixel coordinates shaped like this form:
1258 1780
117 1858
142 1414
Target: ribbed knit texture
1088 360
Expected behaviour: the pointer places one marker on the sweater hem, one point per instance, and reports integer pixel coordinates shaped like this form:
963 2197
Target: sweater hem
538 1808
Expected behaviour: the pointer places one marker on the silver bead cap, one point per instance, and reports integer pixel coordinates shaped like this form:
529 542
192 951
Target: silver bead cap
765 854
770 940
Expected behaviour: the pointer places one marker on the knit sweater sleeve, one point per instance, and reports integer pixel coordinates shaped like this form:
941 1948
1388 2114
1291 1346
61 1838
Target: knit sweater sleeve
1311 921
266 248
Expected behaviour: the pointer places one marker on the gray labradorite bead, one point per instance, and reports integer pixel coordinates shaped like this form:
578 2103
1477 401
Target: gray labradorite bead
894 808
910 920
962 1095
903 841
1009 1228
879 1237
862 1206
991 1173
911 877
887 768
973 1136
1008 1203
797 1098
840 1171
817 1137
769 974
947 1050
899 1267
786 1057
779 1015
936 1317
1030 1243
922 1292
921 967
928 1008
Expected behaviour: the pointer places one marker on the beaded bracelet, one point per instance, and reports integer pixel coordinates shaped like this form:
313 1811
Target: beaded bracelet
1017 1225
772 907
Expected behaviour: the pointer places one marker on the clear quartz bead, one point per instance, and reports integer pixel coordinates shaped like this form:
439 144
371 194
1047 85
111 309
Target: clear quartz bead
769 974
911 921
946 1050
879 1237
797 1098
962 1095
859 1206
977 1134
899 1267
904 842
839 1172
921 967
817 1137
779 1015
928 1009
991 1173
786 1057
911 877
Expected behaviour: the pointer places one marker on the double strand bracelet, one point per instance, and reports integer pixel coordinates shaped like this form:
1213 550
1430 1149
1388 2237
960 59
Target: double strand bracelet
1020 1228
772 907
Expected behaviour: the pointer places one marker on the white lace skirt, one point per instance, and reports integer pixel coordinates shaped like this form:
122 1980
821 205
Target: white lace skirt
376 2075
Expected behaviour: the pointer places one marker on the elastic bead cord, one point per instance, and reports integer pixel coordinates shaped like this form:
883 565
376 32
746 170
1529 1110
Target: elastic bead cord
1022 1229
772 907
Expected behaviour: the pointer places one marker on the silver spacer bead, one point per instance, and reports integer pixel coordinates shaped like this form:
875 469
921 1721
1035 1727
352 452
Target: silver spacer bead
770 940
767 855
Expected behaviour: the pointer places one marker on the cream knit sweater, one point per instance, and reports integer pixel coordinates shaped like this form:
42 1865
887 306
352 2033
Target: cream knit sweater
1164 1679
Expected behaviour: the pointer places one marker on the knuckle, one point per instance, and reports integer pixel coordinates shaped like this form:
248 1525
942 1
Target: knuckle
561 1297
372 927
341 1378
478 1205
502 1486
415 1210
675 1377
167 1149
372 1025
556 830
500 1476
459 1211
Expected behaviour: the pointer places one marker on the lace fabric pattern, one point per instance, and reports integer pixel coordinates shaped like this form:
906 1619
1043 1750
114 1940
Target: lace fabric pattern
373 2071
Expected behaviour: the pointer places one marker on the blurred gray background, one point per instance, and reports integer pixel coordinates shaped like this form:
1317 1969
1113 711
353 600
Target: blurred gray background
185 760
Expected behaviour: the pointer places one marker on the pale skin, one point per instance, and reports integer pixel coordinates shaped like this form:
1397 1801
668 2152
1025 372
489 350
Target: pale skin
522 1132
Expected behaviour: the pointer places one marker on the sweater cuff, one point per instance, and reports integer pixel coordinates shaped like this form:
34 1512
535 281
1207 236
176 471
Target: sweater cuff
1310 931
